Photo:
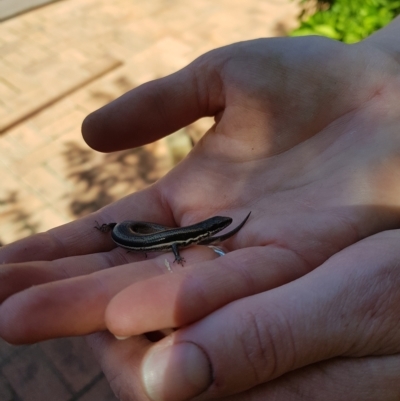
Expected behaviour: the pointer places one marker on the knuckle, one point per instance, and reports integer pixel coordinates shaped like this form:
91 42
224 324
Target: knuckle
267 344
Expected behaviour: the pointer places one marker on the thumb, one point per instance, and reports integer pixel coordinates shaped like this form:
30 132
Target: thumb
157 108
325 314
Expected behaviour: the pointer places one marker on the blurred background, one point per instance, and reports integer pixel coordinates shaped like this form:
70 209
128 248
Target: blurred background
60 60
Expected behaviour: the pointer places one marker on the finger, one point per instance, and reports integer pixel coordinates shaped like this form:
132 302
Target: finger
81 237
386 39
120 362
76 306
157 108
63 308
16 277
344 379
336 310
192 293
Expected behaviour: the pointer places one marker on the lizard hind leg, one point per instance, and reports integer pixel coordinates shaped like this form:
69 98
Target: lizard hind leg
178 257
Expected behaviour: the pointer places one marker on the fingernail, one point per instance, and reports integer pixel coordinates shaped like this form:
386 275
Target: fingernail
121 338
176 372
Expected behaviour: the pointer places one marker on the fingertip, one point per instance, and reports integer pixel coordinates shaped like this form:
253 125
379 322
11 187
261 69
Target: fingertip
176 372
136 309
116 320
14 322
88 128
154 109
122 338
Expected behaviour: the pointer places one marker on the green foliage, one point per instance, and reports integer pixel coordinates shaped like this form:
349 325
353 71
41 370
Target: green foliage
348 20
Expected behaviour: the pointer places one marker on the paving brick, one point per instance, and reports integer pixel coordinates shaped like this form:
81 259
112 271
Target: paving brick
51 114
157 58
73 359
35 67
6 350
17 79
45 183
25 227
7 89
37 157
74 55
6 391
100 391
18 199
7 35
10 151
48 217
66 123
105 89
18 208
60 80
40 37
26 138
33 379
16 59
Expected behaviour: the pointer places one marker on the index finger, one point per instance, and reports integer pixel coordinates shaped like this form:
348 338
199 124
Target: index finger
80 237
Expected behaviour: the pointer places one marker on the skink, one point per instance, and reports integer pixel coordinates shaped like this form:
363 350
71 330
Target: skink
150 237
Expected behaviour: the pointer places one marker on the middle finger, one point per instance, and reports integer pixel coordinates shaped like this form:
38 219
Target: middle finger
71 306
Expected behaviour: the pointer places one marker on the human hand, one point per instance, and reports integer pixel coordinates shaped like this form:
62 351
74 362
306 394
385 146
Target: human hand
330 335
312 175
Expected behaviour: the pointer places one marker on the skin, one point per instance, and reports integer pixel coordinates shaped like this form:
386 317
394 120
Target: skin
305 304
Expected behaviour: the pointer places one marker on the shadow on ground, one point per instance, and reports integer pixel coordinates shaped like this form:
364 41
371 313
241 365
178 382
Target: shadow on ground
99 179
16 213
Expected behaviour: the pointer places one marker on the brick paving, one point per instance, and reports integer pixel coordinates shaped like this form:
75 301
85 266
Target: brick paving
57 64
